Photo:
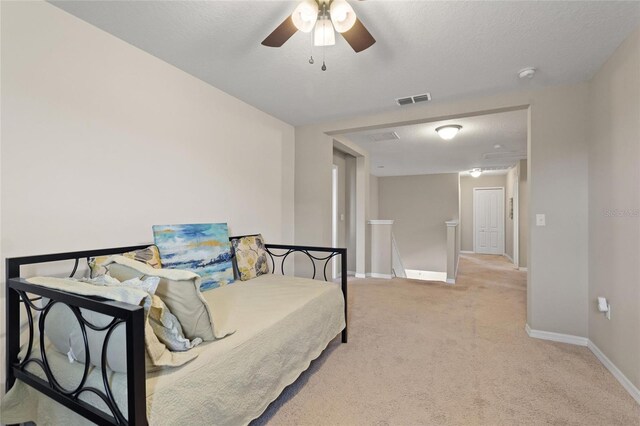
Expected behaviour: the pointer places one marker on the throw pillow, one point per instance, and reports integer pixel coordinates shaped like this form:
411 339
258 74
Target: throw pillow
251 256
200 248
149 255
63 330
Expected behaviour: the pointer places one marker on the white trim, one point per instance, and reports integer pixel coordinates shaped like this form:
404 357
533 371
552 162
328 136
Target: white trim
523 268
556 337
516 215
467 252
380 222
509 257
450 281
624 381
377 275
358 275
334 216
415 274
451 223
351 273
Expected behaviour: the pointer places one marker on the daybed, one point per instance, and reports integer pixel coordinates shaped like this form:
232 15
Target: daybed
282 324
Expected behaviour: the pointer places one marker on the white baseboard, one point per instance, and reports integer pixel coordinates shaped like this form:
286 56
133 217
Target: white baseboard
556 337
626 383
357 275
351 273
509 257
450 281
377 275
467 252
523 268
583 341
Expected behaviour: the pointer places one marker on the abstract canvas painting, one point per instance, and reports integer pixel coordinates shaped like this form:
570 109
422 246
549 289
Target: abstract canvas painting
200 248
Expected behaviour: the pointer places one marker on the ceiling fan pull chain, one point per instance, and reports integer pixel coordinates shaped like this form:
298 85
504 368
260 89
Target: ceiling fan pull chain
324 67
311 61
324 37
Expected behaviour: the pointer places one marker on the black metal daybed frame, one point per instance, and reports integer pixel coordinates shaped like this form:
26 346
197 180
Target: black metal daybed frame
18 289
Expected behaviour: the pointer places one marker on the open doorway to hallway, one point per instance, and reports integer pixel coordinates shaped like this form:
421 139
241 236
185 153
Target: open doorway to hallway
479 220
420 179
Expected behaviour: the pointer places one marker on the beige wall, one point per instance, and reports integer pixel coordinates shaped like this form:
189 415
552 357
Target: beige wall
374 204
523 220
420 205
614 206
101 140
467 183
557 165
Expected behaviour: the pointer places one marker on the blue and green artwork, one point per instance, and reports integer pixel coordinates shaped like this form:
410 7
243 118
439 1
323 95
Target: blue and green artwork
200 248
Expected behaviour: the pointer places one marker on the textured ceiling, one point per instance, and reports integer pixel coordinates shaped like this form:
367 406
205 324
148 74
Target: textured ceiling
421 151
451 49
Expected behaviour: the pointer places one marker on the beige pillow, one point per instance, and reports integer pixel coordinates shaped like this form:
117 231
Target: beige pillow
180 290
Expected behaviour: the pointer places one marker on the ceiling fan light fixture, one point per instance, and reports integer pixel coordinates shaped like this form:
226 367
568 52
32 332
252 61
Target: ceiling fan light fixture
475 173
324 34
449 131
305 15
342 15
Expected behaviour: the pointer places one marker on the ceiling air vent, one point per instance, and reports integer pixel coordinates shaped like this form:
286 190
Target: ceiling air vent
504 155
496 168
414 99
385 136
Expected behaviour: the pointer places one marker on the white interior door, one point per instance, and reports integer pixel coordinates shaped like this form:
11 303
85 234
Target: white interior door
488 220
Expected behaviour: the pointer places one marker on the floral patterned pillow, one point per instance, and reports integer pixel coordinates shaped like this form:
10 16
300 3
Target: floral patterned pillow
149 255
251 256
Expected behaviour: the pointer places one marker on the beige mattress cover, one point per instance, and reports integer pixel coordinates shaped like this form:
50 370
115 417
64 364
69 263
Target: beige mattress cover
282 323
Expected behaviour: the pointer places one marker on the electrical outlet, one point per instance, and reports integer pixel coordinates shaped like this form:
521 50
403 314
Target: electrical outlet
541 220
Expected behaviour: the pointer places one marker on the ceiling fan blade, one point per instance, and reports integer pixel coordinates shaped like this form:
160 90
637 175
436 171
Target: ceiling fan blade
281 34
359 37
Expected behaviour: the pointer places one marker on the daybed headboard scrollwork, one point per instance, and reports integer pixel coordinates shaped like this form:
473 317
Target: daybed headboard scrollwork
18 291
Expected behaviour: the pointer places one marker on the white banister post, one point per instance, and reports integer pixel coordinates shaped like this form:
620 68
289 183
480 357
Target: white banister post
452 251
381 246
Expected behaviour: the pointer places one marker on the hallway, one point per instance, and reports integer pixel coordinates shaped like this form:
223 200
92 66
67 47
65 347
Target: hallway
429 353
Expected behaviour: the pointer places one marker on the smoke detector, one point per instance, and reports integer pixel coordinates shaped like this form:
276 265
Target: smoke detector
528 72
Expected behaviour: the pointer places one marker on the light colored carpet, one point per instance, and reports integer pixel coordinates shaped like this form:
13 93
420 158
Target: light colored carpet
428 353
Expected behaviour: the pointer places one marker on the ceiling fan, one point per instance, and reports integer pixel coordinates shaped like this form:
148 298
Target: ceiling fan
324 16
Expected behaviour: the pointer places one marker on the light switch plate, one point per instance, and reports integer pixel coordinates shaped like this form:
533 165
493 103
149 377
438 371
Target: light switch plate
541 220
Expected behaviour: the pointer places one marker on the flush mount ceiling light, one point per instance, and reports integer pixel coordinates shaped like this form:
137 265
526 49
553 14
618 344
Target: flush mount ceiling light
475 173
449 131
528 72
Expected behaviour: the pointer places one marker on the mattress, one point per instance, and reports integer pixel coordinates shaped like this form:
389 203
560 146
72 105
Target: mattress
282 323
